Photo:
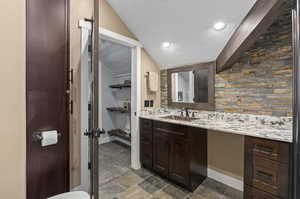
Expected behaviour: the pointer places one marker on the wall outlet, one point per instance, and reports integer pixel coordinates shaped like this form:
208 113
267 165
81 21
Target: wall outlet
146 103
151 103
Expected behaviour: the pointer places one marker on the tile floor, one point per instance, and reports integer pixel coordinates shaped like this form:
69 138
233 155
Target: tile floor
118 181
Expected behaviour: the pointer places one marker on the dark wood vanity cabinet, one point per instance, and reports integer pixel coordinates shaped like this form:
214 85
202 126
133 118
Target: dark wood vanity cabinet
253 193
179 160
146 143
161 152
179 152
267 169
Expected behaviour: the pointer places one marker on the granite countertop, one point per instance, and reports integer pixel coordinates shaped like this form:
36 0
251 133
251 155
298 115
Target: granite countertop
269 127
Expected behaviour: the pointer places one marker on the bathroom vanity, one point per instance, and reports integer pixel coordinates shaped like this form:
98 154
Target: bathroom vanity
176 148
174 142
176 152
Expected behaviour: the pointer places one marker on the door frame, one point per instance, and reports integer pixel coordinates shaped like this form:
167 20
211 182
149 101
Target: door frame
296 99
136 47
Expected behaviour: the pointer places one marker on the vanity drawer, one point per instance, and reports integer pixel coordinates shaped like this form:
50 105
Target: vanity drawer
253 193
146 124
169 128
273 150
267 175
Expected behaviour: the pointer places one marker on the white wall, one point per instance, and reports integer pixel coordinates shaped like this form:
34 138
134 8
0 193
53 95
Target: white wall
114 98
107 99
122 120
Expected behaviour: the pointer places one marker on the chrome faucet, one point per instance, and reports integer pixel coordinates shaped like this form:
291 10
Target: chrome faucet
187 114
181 112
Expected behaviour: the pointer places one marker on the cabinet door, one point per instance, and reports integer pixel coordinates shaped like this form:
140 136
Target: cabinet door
267 175
160 152
146 148
146 125
179 160
146 151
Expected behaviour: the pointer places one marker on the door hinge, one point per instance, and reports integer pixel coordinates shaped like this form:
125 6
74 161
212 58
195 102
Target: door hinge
71 76
71 107
90 48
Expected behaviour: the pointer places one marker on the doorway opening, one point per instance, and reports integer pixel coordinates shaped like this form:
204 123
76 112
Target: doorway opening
119 100
116 115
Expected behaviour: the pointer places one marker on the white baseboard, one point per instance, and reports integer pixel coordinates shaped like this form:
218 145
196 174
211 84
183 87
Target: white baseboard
105 139
135 165
228 180
122 141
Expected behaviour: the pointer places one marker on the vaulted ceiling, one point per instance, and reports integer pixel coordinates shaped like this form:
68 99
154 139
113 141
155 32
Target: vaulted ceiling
116 57
187 25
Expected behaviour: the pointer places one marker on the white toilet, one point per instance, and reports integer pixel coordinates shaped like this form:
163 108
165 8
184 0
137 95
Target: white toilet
72 195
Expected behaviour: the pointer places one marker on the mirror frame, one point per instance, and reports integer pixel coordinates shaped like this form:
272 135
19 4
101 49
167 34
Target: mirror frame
210 106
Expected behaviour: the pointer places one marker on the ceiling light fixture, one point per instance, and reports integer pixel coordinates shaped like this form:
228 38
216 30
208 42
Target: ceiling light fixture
166 44
219 25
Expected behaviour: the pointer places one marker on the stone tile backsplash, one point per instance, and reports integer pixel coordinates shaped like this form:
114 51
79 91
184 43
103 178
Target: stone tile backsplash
261 81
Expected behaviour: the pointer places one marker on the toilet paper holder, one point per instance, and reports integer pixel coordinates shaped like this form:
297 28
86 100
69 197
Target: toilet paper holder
37 136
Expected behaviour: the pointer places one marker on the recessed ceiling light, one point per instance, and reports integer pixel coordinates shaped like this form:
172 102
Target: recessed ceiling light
219 25
166 44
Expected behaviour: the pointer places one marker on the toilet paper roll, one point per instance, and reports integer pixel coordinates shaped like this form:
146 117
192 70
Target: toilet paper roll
49 138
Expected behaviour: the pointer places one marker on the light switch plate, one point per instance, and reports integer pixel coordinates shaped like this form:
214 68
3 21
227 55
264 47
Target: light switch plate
151 103
146 103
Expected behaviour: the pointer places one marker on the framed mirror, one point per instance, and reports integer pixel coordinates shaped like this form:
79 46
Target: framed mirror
192 86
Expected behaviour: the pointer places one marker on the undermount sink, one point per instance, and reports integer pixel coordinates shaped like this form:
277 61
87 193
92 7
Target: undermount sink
176 117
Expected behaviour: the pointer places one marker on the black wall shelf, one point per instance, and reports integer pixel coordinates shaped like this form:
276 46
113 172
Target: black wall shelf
120 86
118 109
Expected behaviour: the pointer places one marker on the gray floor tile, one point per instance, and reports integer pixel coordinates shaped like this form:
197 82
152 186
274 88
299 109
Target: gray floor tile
143 173
119 181
110 190
114 161
128 180
214 185
176 192
231 193
153 184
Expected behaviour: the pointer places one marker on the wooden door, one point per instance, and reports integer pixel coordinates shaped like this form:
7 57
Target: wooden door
161 152
47 98
179 160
